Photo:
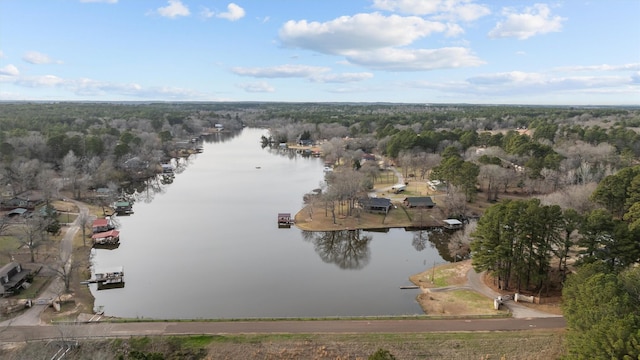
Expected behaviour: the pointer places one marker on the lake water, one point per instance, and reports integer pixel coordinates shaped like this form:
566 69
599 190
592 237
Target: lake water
208 246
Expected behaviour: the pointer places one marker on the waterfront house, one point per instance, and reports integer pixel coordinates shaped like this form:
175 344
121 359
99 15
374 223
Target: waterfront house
12 276
102 225
111 237
419 202
123 207
376 205
26 200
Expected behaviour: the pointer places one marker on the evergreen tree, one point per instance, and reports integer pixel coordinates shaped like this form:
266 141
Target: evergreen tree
603 313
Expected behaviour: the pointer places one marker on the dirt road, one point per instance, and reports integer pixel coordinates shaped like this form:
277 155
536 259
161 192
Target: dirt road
32 315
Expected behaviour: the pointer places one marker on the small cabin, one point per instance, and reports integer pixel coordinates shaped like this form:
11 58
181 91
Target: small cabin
12 276
452 224
419 202
376 205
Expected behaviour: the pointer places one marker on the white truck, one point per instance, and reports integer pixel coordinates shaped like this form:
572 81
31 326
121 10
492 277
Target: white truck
398 188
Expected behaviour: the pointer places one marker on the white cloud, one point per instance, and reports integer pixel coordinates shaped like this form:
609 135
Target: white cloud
233 13
415 60
357 32
9 70
207 13
34 57
465 10
379 42
533 21
282 71
312 73
174 9
416 7
341 78
1 54
40 81
88 87
506 78
454 30
602 67
516 82
100 1
531 87
257 87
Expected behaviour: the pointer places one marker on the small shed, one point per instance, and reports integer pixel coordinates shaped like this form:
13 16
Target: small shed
419 202
452 224
17 212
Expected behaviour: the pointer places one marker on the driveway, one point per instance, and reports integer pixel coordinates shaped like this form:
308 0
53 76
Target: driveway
31 316
518 311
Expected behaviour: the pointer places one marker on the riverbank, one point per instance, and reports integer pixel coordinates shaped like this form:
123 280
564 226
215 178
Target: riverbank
317 217
455 289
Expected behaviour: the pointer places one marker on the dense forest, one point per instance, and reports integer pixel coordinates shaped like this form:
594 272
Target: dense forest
577 166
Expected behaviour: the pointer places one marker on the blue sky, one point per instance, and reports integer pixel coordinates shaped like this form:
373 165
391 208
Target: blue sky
572 52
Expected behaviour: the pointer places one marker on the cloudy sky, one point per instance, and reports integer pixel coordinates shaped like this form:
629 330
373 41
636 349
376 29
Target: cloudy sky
571 52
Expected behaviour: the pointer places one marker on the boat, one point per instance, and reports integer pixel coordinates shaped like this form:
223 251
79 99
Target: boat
285 220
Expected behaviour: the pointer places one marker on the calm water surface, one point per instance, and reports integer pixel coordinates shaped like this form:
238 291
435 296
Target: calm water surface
208 246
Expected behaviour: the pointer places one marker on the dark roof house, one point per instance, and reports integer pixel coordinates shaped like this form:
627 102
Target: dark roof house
376 205
12 276
419 202
26 200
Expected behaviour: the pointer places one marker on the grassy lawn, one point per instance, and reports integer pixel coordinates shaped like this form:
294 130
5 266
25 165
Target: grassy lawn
39 283
522 345
8 244
67 218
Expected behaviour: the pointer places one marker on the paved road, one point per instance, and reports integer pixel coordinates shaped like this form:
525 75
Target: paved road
98 330
475 282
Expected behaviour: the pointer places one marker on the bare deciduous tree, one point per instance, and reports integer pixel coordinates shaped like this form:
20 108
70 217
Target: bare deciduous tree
33 234
47 183
22 173
460 242
71 173
64 267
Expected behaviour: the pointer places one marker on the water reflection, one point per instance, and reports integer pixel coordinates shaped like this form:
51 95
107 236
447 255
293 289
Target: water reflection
349 249
420 239
218 217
